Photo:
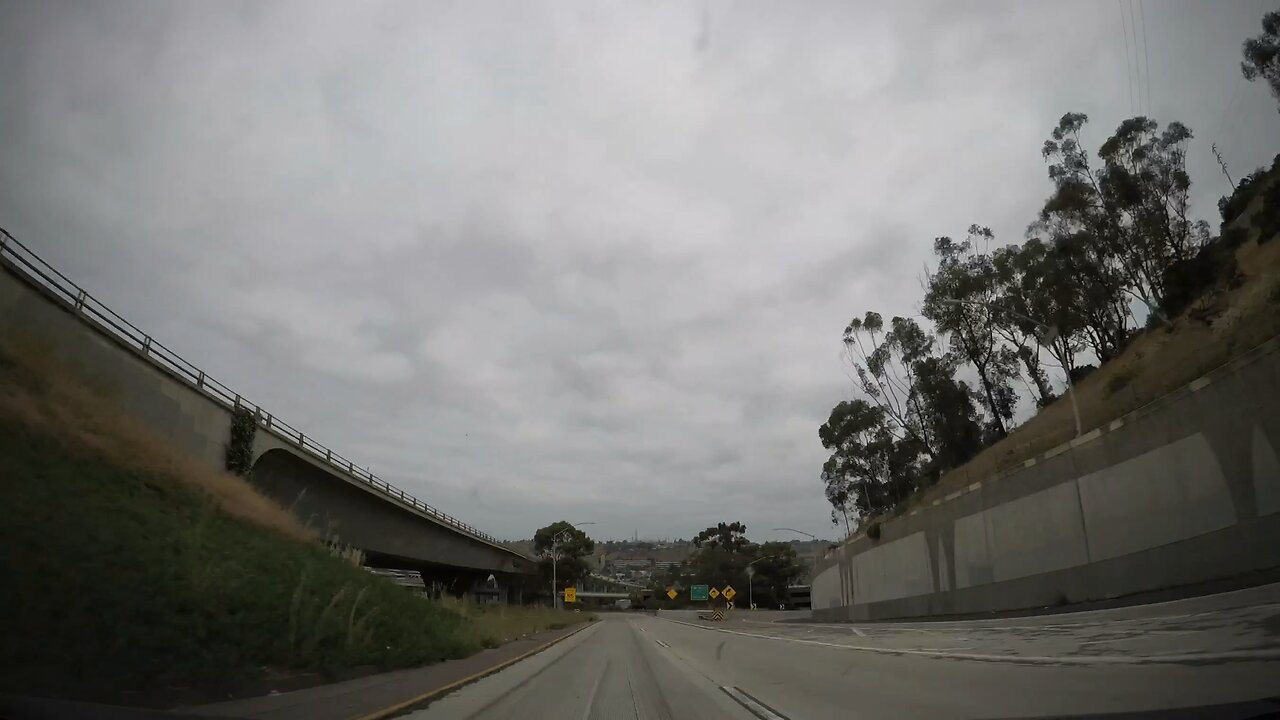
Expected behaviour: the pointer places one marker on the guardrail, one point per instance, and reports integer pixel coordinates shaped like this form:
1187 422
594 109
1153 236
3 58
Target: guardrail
31 265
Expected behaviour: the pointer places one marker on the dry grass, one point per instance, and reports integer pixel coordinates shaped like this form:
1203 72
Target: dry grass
493 625
1155 364
128 568
38 392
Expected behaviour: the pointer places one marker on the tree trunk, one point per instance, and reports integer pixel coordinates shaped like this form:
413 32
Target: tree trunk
1032 362
991 402
971 350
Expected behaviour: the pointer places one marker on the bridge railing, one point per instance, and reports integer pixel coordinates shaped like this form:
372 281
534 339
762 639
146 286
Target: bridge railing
31 265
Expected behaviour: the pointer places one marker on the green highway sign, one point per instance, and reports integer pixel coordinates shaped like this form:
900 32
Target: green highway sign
697 592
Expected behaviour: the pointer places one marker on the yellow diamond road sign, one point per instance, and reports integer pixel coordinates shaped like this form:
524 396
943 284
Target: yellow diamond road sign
729 592
671 593
570 595
714 593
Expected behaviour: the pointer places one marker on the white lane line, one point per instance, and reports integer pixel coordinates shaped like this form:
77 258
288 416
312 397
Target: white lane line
751 704
591 699
661 643
643 630
1230 655
856 631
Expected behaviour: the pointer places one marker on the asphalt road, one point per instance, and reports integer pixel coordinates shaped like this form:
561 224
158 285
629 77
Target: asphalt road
1239 625
615 670
1196 655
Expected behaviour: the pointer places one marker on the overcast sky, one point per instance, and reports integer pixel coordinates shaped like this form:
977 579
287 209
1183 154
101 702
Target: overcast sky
569 260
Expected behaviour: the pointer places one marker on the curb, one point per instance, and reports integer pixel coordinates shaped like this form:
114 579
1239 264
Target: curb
399 707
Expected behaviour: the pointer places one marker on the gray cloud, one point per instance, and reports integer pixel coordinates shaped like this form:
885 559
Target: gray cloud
537 261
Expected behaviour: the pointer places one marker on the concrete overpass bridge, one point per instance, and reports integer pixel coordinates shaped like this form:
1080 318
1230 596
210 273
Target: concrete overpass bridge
177 400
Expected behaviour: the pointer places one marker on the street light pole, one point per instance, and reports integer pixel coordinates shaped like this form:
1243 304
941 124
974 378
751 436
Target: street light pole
555 560
1050 332
751 600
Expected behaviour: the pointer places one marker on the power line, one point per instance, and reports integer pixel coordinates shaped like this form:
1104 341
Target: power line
1228 109
1228 114
1145 55
1128 70
1132 46
1137 59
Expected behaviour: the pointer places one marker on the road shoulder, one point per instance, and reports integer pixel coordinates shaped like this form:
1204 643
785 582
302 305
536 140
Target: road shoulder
387 694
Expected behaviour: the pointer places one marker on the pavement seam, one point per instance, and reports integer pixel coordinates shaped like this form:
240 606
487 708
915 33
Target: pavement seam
1234 655
431 694
587 707
753 706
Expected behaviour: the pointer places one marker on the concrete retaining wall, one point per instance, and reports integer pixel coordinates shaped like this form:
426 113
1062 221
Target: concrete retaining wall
1182 491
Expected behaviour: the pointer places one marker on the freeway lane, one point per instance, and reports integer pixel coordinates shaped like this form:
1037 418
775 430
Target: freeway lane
639 666
614 670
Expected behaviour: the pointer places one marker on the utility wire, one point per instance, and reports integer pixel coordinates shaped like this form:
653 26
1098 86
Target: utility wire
1145 54
1128 69
1137 59
1228 111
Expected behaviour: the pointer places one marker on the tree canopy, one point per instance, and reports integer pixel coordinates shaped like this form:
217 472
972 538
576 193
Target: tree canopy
566 547
1113 246
1262 54
722 559
729 536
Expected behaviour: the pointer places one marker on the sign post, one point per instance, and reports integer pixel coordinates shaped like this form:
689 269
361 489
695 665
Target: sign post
570 595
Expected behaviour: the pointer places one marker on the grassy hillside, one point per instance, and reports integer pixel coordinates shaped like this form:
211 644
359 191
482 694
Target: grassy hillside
129 567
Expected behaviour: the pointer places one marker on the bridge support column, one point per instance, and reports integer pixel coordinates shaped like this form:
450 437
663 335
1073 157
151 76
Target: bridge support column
477 586
442 583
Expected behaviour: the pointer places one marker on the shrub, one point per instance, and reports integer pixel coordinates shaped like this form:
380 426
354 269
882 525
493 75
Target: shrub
1230 207
873 530
1267 219
1234 236
1080 372
1188 280
239 449
1120 380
